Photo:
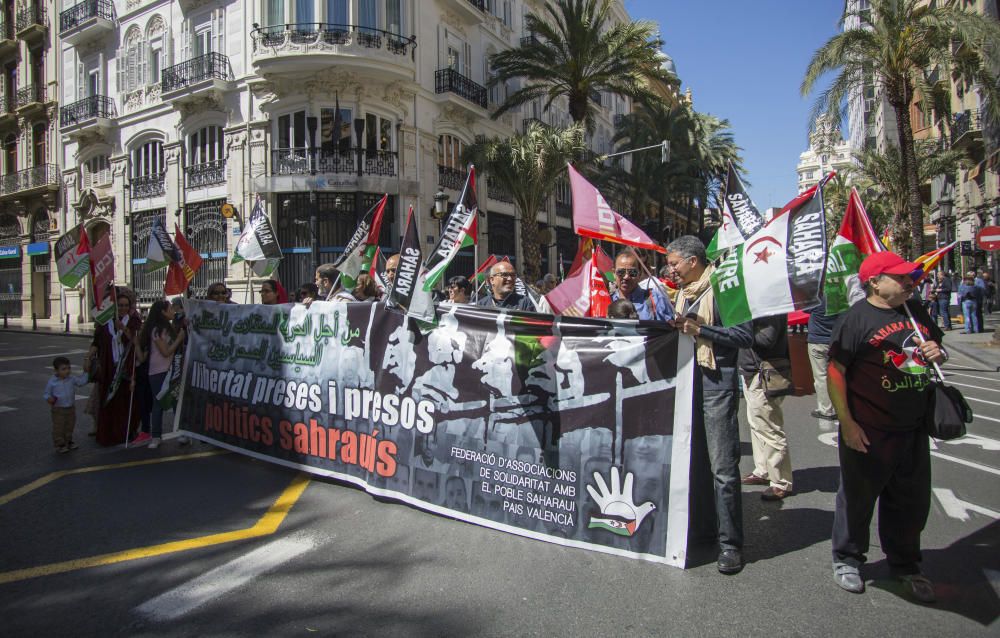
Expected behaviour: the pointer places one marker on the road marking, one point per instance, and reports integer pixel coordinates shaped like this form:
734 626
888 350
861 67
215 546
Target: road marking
968 385
981 400
830 438
957 508
223 579
971 376
4 408
267 525
7 373
990 445
38 356
980 416
80 397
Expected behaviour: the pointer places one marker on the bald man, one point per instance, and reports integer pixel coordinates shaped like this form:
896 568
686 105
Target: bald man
503 279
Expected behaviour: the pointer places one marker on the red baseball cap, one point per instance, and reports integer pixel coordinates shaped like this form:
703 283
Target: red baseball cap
887 263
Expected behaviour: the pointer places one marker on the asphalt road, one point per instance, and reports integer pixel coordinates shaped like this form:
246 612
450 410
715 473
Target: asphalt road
195 545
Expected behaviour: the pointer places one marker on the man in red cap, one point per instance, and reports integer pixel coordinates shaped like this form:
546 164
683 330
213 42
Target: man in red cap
878 382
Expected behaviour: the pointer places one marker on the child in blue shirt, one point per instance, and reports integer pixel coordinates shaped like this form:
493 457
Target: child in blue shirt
60 392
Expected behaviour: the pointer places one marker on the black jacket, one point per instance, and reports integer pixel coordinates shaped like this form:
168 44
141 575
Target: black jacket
770 342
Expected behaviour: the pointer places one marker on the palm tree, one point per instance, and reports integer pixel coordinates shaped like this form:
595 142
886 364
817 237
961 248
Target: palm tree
905 41
574 53
881 177
527 166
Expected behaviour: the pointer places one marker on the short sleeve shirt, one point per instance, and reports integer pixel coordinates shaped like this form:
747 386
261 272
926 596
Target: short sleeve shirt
887 378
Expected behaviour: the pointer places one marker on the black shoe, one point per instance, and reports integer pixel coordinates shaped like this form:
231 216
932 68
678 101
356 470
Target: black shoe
816 414
730 561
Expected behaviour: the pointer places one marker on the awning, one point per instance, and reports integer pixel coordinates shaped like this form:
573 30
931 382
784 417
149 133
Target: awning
10 252
37 248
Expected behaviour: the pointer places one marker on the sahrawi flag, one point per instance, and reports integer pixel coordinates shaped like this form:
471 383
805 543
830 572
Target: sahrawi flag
459 232
406 291
592 217
855 241
778 269
257 243
73 256
360 251
740 217
161 250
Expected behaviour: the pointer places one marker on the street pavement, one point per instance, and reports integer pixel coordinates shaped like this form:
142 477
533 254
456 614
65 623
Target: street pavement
183 541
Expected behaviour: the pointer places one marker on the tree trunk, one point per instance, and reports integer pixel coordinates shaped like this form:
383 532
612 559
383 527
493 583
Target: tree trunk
914 207
530 254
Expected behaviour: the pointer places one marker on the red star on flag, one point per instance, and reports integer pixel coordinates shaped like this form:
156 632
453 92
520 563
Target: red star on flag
762 256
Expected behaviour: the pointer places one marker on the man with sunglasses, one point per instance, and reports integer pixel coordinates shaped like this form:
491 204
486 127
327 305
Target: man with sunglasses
503 279
650 303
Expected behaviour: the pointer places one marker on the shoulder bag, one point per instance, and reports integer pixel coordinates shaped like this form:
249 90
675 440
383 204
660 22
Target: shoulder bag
949 411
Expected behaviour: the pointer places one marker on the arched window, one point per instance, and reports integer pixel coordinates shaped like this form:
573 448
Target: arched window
206 145
450 150
148 170
96 171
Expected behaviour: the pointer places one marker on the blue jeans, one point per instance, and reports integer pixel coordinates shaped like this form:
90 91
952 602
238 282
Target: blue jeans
156 420
722 434
970 311
942 305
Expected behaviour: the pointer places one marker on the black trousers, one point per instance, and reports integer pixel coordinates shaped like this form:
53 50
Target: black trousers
896 472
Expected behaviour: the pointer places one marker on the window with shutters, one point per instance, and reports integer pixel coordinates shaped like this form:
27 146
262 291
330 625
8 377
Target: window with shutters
450 150
97 171
131 74
206 145
203 34
147 170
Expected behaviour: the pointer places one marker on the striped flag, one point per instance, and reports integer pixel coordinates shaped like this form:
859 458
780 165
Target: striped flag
930 260
740 217
484 270
257 243
161 250
855 241
360 250
593 217
459 232
181 270
779 269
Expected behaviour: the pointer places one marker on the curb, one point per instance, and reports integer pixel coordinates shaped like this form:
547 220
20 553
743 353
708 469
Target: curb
968 353
57 333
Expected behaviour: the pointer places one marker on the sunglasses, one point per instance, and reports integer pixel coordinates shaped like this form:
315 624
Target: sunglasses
631 272
504 275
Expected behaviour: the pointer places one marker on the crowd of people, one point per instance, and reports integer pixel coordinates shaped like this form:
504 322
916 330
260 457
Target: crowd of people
889 336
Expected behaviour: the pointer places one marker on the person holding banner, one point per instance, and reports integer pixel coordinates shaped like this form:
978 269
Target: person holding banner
880 386
650 303
114 343
160 340
326 278
503 278
716 397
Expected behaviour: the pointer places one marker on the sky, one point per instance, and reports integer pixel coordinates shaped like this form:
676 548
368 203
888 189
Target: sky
744 61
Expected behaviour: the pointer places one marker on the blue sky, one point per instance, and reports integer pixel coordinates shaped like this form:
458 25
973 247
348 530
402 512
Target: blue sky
744 61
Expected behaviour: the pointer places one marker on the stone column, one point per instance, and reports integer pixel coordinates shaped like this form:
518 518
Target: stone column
173 183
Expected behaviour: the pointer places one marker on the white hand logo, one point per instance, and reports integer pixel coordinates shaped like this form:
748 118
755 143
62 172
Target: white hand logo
619 513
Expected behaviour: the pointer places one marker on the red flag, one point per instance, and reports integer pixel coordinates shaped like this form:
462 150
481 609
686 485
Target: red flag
484 269
592 217
582 293
857 227
181 272
600 299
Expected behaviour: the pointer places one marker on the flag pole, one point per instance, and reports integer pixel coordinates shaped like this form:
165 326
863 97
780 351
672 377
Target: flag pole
920 338
131 396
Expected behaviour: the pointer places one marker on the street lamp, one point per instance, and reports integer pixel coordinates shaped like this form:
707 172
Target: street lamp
440 209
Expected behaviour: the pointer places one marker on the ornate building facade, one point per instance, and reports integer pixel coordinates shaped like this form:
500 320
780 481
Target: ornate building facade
174 107
827 152
30 198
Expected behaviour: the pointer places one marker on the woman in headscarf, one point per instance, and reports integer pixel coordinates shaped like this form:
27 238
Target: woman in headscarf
114 349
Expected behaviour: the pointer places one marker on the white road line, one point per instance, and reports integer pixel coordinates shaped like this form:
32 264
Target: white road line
978 387
4 408
980 416
7 373
39 356
223 579
830 438
81 397
971 376
990 445
959 509
981 400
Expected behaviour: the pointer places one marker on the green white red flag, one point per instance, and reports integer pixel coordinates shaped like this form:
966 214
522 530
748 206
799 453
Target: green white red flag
855 240
484 270
73 256
778 269
360 251
740 217
459 232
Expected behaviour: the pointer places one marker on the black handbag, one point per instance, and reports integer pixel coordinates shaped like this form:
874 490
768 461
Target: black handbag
949 412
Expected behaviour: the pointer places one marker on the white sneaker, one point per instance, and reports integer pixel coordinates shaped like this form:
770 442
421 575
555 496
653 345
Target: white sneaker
154 443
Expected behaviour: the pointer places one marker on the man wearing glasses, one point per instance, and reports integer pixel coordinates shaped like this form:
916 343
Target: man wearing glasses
650 303
503 277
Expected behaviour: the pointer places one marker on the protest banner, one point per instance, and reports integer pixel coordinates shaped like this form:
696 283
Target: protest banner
573 431
73 256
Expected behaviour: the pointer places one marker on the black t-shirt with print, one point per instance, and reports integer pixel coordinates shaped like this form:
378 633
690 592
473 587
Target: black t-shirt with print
887 378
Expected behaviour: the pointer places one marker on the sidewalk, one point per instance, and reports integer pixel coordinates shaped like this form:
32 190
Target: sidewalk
978 347
48 326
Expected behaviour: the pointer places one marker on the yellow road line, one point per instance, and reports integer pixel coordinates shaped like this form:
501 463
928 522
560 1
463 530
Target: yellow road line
268 524
48 478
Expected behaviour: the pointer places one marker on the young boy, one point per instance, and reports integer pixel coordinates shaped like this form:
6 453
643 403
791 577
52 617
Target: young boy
60 392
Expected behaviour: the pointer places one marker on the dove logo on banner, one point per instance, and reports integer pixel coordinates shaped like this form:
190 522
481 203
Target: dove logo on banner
619 513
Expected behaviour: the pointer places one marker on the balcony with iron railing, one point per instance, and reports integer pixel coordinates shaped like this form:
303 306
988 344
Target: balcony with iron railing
451 82
31 21
453 178
87 20
194 79
30 97
146 186
205 174
353 161
967 128
44 177
92 114
8 43
498 193
8 111
293 48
